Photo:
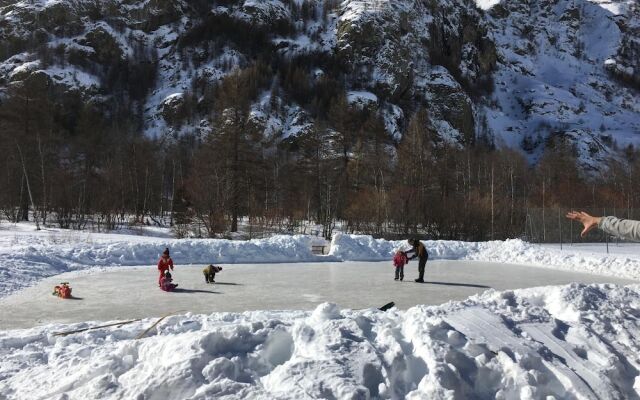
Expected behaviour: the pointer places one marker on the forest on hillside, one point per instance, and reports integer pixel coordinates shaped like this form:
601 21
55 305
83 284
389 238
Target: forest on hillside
102 173
80 158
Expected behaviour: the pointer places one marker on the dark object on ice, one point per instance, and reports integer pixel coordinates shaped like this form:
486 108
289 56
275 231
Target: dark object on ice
182 290
419 280
474 285
210 272
387 306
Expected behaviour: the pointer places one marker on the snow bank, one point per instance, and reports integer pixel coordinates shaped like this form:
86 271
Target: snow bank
24 259
514 251
567 342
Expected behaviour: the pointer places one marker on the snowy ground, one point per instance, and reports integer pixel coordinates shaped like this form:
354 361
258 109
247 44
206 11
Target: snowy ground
575 341
128 293
570 342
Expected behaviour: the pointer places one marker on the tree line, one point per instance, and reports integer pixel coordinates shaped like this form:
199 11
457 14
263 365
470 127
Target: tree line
92 168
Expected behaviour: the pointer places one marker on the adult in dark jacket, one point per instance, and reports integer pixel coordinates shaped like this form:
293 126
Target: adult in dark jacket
420 252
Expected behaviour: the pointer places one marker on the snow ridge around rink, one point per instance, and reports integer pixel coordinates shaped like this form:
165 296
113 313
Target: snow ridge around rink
576 341
27 257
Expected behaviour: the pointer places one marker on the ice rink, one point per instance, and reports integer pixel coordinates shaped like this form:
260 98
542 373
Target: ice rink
132 292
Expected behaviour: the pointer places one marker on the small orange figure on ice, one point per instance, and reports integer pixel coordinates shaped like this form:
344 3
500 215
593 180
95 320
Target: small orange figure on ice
63 290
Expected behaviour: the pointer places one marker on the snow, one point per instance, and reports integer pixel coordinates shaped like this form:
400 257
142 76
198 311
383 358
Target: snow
571 341
361 98
609 61
574 341
554 77
173 98
486 4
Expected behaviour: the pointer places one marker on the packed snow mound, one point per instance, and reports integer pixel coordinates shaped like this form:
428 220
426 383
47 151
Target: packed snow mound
25 259
568 342
512 251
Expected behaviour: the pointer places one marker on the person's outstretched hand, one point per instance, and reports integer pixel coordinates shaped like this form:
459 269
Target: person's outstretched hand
588 221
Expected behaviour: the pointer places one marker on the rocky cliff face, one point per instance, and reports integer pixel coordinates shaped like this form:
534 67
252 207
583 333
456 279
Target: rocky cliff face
520 73
557 76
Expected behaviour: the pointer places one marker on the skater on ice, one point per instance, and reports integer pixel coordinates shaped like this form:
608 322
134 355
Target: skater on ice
166 282
210 272
164 264
623 228
399 260
420 252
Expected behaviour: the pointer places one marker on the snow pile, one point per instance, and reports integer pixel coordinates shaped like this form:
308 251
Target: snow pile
567 342
513 251
363 247
24 259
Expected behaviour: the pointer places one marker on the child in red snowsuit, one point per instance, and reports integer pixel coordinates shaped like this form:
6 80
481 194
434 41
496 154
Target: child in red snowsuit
399 261
166 282
164 264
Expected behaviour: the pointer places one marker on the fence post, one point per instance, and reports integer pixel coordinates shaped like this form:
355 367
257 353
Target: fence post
560 228
606 237
571 231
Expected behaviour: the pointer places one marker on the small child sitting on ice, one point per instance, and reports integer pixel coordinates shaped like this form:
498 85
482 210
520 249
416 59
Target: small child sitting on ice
63 290
210 272
166 282
399 261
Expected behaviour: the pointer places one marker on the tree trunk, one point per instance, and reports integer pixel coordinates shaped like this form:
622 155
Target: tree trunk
173 191
44 183
492 205
26 177
235 184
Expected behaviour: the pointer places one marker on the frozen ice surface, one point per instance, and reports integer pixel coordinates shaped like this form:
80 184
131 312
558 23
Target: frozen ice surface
132 292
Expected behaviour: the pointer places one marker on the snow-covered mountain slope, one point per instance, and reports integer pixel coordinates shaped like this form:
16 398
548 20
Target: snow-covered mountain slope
563 70
571 342
560 69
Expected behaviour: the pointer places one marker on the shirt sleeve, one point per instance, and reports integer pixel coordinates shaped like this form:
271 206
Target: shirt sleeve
624 228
